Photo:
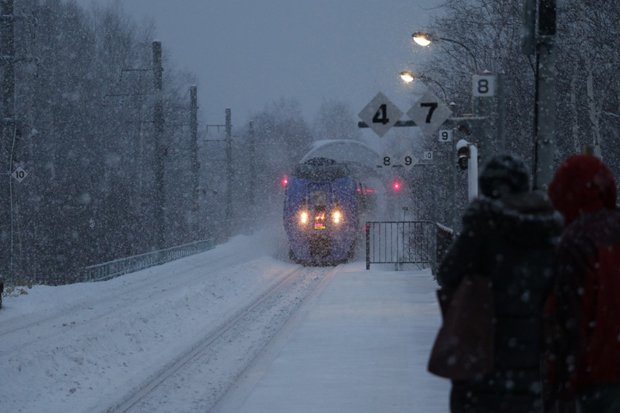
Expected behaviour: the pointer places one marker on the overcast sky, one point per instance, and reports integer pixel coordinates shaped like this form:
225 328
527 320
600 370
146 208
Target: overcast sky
248 53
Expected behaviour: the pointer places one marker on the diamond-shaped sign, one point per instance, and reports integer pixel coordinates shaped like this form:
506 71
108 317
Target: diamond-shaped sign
19 174
380 114
429 113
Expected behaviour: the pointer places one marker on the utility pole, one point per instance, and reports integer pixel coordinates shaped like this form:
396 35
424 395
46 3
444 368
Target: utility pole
160 150
229 174
7 52
544 107
193 123
252 154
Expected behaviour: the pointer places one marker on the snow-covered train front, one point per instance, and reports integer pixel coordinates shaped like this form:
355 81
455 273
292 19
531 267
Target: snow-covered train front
322 207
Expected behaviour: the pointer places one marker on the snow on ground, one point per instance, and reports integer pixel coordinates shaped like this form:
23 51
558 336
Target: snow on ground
361 346
362 340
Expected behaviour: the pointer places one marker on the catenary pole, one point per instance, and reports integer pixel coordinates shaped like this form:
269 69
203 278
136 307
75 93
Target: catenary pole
544 113
229 173
195 167
7 46
252 155
160 151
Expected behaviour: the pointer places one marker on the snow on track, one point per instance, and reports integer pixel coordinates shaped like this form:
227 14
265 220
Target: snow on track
215 362
81 347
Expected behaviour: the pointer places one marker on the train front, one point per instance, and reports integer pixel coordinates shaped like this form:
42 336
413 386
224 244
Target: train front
320 213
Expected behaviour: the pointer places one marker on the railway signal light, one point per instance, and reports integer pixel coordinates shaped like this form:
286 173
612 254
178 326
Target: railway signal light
396 185
463 154
284 181
468 159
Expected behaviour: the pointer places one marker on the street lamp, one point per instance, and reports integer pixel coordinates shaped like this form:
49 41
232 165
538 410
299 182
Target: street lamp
408 76
425 39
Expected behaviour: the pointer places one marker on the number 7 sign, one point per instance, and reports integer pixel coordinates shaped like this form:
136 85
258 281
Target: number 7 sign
429 113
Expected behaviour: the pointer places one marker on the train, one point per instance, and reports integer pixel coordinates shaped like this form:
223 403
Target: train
324 205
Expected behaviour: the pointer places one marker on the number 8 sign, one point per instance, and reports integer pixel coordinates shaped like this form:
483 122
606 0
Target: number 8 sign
483 85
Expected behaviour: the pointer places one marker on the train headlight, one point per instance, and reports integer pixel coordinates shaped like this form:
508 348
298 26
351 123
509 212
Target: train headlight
336 217
303 217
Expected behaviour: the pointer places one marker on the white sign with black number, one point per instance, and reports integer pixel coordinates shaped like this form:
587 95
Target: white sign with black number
427 156
19 174
483 85
446 135
429 113
380 114
405 161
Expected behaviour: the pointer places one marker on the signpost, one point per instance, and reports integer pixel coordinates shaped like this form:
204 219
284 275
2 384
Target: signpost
19 174
406 161
429 113
446 135
483 85
380 114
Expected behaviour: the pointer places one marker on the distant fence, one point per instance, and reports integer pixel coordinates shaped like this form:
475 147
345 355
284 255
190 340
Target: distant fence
406 242
400 242
115 268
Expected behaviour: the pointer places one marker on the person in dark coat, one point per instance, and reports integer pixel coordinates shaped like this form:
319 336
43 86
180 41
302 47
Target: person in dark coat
508 235
586 297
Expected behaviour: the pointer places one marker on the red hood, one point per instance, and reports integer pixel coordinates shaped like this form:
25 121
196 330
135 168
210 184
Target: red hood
583 183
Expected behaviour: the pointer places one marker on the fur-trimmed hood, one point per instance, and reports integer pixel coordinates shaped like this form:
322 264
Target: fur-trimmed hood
524 218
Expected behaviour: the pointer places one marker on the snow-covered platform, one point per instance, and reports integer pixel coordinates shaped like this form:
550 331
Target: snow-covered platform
360 344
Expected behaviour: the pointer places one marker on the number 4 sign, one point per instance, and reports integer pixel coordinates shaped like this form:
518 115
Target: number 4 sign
380 114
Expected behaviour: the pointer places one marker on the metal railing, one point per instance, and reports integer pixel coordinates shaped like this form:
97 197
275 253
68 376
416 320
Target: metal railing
115 268
111 269
400 242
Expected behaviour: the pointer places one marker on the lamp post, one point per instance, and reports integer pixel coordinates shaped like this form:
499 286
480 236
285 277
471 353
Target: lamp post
408 77
425 39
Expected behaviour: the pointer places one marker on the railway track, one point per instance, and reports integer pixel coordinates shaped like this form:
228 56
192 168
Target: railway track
217 360
147 290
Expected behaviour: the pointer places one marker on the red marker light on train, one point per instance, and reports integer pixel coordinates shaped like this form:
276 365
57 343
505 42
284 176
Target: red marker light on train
396 186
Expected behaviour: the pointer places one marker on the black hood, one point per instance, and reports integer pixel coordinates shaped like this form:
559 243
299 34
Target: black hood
525 218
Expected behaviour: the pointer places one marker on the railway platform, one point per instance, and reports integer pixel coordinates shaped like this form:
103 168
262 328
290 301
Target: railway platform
359 344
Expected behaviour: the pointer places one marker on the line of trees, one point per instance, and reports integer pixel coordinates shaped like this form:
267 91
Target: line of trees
85 100
587 62
84 105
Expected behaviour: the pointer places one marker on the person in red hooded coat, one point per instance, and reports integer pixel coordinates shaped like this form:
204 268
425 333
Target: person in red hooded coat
586 297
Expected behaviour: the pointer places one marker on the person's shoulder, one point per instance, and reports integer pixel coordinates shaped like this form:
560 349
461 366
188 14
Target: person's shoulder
481 211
